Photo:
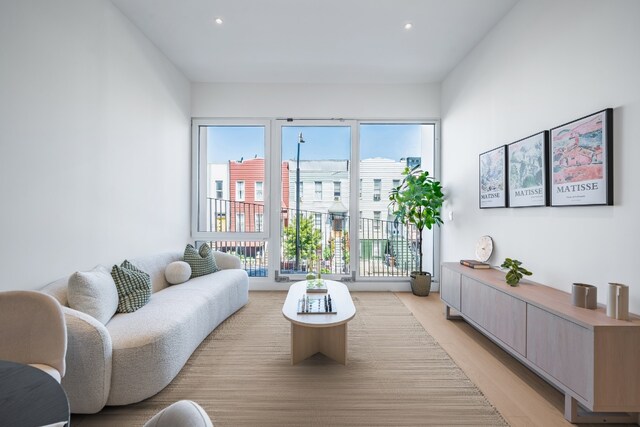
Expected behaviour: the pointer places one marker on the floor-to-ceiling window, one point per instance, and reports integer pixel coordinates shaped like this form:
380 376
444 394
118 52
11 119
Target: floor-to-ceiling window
230 189
305 215
388 248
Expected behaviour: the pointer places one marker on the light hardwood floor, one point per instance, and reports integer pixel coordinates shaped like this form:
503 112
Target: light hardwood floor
523 398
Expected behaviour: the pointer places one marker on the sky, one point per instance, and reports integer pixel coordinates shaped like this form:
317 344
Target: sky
393 141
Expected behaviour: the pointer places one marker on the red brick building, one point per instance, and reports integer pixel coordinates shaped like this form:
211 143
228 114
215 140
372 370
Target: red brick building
247 189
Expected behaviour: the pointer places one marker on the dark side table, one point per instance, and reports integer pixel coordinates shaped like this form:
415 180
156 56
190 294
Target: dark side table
30 397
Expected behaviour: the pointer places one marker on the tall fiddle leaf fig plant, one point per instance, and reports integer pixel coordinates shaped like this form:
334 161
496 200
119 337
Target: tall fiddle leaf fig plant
418 200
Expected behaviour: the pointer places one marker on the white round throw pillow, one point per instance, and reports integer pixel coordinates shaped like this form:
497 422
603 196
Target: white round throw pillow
177 272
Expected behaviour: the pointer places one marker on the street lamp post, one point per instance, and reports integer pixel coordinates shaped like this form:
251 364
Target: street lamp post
297 266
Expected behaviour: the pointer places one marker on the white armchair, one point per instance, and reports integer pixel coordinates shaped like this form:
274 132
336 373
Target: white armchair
184 413
33 331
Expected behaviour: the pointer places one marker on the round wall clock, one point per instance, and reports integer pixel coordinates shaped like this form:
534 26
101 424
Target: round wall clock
484 248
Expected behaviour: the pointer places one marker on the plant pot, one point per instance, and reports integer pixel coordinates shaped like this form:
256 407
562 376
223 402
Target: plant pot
420 283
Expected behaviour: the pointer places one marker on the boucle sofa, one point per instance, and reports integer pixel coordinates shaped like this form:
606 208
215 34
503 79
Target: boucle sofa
135 355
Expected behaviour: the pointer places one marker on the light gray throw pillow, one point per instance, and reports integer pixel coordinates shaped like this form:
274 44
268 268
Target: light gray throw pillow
177 272
94 293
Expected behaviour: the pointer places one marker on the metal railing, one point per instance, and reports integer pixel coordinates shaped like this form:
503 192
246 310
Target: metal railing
232 216
386 248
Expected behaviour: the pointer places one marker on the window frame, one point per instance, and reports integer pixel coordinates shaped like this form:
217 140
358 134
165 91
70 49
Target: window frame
244 191
199 176
258 221
270 234
221 190
377 192
377 217
240 220
255 192
433 164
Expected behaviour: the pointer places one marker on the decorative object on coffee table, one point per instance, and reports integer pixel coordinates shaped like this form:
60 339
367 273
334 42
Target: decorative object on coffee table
417 200
316 285
322 332
515 272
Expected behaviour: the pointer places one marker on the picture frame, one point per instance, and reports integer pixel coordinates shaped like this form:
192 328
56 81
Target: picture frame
581 161
527 171
493 178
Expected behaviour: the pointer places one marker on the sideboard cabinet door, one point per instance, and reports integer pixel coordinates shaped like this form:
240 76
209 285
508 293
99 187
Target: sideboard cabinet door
500 314
450 288
562 349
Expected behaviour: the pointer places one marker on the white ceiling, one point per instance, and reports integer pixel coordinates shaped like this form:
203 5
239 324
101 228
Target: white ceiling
315 41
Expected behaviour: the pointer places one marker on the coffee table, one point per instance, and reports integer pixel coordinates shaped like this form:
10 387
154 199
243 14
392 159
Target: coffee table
319 333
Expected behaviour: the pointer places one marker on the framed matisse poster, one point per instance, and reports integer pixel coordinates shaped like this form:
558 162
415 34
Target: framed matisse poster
493 178
581 161
527 171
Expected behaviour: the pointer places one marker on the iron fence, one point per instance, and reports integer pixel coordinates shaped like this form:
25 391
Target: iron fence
386 248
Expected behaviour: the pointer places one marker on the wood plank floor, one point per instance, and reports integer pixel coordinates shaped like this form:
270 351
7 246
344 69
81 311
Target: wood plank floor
523 398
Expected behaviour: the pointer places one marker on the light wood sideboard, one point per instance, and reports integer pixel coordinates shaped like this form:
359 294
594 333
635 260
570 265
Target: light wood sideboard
593 359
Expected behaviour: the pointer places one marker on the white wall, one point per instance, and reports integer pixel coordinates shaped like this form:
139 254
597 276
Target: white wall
321 101
546 63
94 141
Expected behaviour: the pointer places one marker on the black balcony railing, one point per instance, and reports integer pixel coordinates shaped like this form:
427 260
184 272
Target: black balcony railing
231 216
386 248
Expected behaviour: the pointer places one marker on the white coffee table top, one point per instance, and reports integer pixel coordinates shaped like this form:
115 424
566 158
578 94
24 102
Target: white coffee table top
340 297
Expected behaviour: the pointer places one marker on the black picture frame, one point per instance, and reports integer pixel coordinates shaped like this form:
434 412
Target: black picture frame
581 161
492 174
527 171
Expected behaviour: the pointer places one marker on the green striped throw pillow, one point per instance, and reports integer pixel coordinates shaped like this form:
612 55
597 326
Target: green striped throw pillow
133 285
201 261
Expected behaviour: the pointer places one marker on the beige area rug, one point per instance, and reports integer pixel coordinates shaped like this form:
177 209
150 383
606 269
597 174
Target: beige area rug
396 375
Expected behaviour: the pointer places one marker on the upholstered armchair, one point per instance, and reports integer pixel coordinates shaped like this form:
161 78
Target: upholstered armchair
33 331
184 413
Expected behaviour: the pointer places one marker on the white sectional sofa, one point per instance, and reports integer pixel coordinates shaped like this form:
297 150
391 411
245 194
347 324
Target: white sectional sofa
135 355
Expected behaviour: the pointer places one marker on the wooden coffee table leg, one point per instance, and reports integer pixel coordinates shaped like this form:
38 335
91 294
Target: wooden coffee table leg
304 343
330 341
333 342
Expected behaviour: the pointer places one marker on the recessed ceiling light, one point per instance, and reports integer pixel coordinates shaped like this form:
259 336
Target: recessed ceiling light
408 26
219 21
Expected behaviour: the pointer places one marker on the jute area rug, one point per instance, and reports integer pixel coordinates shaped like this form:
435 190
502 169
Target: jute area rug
396 375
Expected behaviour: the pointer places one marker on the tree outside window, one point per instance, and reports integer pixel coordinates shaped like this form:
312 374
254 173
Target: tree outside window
310 240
